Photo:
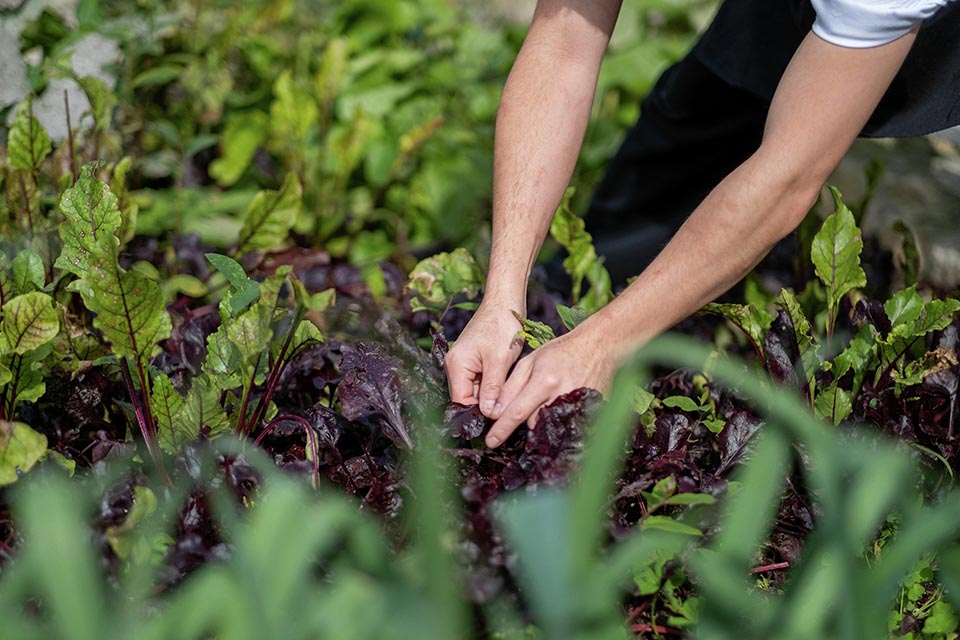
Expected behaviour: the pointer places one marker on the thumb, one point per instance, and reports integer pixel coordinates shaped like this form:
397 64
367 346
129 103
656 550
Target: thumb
494 373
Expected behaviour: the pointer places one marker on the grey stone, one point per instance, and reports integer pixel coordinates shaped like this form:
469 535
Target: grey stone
49 108
92 55
13 72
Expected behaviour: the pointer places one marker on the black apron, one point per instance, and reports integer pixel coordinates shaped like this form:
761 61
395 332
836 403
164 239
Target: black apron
750 43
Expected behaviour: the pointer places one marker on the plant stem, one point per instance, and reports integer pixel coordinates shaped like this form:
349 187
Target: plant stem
149 435
311 440
242 430
70 147
275 372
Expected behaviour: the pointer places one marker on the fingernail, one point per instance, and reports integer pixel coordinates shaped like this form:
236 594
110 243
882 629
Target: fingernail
492 441
487 406
497 409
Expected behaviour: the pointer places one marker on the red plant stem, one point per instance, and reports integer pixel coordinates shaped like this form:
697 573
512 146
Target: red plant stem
149 436
635 612
311 440
777 566
275 372
70 147
648 628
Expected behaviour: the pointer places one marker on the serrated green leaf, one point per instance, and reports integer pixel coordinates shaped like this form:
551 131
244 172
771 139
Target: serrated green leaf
536 334
333 65
292 111
223 360
438 279
26 272
857 357
835 253
752 321
201 412
91 222
28 382
571 316
271 215
642 400
928 364
582 261
166 403
29 321
20 448
664 523
27 143
244 289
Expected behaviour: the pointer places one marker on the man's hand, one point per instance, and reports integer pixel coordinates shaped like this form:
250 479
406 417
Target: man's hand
580 358
478 362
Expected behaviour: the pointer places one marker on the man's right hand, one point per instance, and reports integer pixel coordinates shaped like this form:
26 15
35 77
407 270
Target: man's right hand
479 360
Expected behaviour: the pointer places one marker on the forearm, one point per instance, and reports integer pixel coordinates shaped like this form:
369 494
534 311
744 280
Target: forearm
543 115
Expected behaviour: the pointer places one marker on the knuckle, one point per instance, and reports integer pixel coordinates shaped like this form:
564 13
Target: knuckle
550 380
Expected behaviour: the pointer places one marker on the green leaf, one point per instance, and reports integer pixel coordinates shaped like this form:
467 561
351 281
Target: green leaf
928 364
271 215
27 273
753 321
166 404
857 356
333 65
129 209
643 400
29 321
130 308
436 280
20 448
91 218
158 75
833 404
582 261
904 307
836 253
572 316
102 101
244 289
223 360
942 619
683 403
665 523
201 412
27 142
243 134
535 333
292 111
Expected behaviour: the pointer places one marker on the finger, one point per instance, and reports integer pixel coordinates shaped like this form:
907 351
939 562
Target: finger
526 402
532 420
461 379
513 385
494 374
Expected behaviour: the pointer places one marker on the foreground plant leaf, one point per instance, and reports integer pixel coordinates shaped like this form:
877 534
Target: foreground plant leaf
371 389
20 448
753 321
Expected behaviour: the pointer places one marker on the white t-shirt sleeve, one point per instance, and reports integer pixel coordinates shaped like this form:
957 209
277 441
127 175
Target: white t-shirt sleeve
870 23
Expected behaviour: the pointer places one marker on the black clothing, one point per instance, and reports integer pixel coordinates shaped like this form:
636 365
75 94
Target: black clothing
706 114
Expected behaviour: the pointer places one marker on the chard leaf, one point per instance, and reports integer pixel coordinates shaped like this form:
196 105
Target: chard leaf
833 404
857 357
27 142
572 316
683 403
271 215
130 308
129 305
201 413
28 382
29 321
436 280
535 333
7 288
836 253
292 111
753 321
102 100
928 364
26 271
91 218
20 448
223 360
244 289
166 403
371 389
910 327
5 374
582 261
809 350
666 523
